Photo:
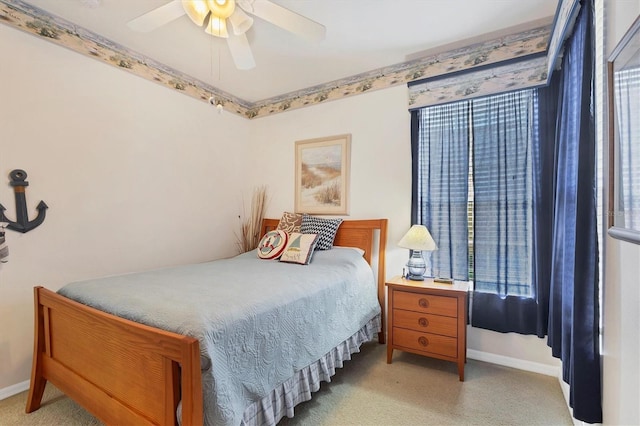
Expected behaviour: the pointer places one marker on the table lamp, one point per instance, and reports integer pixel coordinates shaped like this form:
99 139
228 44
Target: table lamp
417 239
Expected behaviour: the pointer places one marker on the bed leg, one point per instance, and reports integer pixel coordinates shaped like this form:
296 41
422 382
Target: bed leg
381 335
38 382
191 381
35 394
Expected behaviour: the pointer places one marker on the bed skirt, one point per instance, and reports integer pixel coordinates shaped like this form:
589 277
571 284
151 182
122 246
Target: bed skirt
282 400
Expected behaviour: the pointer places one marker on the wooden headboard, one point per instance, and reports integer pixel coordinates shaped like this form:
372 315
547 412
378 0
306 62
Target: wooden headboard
361 234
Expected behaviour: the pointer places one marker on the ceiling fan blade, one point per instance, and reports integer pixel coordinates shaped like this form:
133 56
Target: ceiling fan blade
288 20
157 17
241 52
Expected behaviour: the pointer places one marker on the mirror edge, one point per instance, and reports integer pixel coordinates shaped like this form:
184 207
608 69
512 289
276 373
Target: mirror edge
624 234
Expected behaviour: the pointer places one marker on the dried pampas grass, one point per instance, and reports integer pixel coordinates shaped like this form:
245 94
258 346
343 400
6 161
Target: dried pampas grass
250 226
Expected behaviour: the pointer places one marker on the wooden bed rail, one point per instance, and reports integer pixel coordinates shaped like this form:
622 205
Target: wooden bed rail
361 234
121 371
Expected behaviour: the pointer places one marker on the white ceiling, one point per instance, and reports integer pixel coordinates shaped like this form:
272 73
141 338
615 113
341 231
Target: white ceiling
362 35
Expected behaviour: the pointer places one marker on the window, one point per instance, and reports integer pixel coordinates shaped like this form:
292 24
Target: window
475 166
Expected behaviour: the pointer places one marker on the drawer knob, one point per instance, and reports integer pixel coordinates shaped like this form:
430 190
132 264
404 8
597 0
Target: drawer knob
423 341
424 303
423 322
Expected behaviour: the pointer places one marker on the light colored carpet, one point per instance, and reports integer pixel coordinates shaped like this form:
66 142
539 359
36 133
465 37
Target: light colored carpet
413 390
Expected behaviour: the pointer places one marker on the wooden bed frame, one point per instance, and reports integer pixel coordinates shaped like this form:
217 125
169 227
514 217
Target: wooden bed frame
124 372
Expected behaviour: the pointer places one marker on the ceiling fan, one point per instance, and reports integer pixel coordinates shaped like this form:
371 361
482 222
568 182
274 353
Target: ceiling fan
213 15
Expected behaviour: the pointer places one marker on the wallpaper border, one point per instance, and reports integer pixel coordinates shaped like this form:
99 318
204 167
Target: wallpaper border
515 75
511 74
35 21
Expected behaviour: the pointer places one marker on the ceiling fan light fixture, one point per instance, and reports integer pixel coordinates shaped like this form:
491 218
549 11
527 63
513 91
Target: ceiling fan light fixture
212 15
240 21
221 8
196 10
217 27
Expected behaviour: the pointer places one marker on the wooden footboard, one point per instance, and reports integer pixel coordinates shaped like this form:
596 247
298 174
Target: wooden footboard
121 371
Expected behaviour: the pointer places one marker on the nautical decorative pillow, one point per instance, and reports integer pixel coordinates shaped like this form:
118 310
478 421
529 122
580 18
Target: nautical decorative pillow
300 248
325 228
290 222
272 244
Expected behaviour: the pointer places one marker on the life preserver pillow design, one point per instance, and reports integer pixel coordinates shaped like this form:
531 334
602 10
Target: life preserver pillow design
272 244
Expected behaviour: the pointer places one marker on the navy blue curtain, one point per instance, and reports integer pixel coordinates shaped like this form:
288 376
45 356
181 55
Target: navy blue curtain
563 303
440 149
502 173
415 169
544 183
573 331
502 193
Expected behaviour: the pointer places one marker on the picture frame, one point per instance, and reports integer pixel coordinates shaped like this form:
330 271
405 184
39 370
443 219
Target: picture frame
322 174
623 68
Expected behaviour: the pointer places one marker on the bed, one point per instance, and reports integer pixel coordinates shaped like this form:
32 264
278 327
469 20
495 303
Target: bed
161 369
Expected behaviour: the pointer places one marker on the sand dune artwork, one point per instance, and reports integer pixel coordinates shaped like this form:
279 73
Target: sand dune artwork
322 175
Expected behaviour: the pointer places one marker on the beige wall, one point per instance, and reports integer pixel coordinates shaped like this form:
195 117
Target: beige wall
138 177
135 176
621 286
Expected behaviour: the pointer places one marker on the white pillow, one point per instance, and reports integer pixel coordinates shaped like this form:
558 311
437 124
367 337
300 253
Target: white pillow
299 248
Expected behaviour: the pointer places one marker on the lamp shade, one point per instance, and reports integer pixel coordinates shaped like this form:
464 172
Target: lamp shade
418 238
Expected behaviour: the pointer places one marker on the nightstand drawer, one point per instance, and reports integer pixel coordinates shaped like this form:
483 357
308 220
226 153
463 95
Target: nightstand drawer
429 319
425 342
419 302
426 323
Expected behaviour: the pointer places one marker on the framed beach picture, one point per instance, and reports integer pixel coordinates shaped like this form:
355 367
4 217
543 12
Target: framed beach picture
322 175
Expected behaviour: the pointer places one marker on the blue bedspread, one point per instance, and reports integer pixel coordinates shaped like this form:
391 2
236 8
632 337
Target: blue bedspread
258 321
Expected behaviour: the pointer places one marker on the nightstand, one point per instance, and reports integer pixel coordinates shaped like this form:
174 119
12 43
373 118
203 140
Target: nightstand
429 319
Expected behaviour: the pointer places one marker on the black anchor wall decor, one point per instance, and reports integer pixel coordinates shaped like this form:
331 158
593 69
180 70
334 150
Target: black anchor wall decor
22 223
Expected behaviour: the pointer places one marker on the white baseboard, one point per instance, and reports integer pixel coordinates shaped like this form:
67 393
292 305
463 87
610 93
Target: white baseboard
14 389
520 364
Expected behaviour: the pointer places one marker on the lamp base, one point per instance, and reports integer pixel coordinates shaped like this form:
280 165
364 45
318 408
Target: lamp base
416 266
415 277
